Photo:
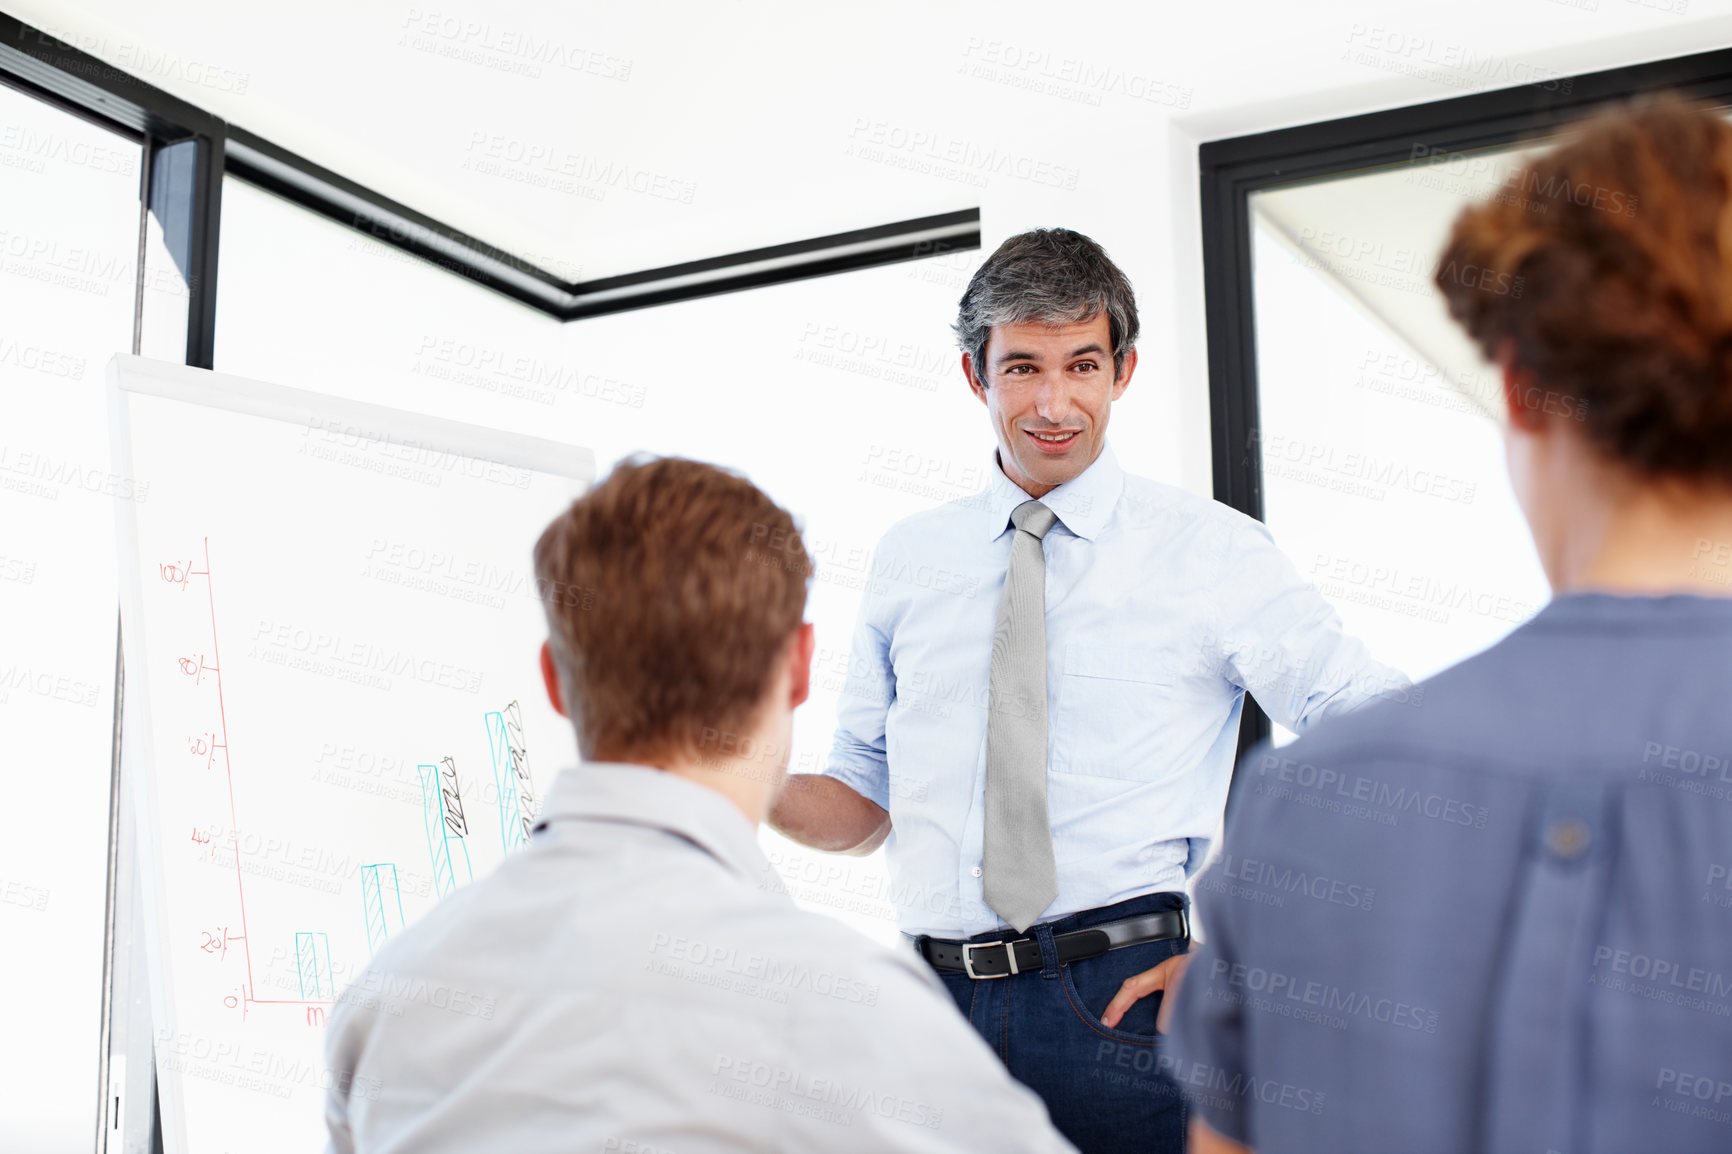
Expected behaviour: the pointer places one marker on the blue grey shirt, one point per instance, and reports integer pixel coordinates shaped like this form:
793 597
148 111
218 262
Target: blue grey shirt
1501 921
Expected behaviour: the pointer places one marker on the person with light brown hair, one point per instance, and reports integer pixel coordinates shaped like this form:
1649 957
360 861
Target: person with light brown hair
1547 964
638 979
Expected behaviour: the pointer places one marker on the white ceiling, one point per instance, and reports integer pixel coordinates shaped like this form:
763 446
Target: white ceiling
605 138
1375 238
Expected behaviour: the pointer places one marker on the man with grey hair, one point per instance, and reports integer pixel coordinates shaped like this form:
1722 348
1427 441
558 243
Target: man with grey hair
1043 705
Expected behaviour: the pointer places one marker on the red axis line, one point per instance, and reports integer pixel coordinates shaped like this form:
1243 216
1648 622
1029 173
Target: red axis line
228 769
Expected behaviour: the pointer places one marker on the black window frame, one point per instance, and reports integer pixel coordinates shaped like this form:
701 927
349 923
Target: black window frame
1230 170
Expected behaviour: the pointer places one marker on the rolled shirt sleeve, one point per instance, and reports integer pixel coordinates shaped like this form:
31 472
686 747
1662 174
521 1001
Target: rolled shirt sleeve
857 755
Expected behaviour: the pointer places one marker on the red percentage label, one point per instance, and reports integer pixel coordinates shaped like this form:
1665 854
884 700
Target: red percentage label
175 574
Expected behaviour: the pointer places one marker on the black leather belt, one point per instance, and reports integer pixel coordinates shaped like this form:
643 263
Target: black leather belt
1002 959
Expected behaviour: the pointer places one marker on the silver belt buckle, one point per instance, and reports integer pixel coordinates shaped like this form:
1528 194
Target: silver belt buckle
1009 955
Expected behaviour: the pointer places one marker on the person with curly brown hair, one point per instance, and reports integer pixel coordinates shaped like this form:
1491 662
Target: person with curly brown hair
1539 956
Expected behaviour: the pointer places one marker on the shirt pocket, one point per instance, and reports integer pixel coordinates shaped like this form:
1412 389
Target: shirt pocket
1111 709
1121 663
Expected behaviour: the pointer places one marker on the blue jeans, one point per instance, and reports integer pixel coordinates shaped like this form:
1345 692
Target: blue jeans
1108 1090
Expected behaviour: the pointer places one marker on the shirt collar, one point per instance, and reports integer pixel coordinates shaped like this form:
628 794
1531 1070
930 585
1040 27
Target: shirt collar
640 795
1082 503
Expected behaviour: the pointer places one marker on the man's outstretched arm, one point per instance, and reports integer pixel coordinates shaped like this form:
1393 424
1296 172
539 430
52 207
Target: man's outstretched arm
824 813
845 809
1284 642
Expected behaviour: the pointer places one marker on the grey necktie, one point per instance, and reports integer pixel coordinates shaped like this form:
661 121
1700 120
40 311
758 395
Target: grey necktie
1020 877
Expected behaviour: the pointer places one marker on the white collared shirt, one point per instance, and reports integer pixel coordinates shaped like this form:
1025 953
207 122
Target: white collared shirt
1162 610
639 981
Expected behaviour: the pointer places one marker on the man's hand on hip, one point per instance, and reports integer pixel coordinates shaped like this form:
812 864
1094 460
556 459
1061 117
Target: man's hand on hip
1164 977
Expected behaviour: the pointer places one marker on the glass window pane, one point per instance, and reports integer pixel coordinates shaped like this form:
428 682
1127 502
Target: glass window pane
69 240
1382 457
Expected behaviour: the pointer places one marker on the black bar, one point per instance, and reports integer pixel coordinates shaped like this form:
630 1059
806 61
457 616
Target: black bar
777 264
1493 119
336 197
50 65
1230 323
390 222
202 250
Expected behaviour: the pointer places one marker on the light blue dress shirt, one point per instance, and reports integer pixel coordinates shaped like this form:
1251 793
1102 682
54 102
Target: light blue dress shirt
1162 610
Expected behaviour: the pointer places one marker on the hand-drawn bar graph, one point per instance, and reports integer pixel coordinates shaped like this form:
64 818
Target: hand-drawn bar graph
442 813
518 807
313 963
381 902
512 830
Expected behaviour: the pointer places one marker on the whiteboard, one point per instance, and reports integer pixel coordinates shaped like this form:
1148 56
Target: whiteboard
333 707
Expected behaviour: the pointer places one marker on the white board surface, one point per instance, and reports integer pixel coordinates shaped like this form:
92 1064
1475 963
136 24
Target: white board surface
333 706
